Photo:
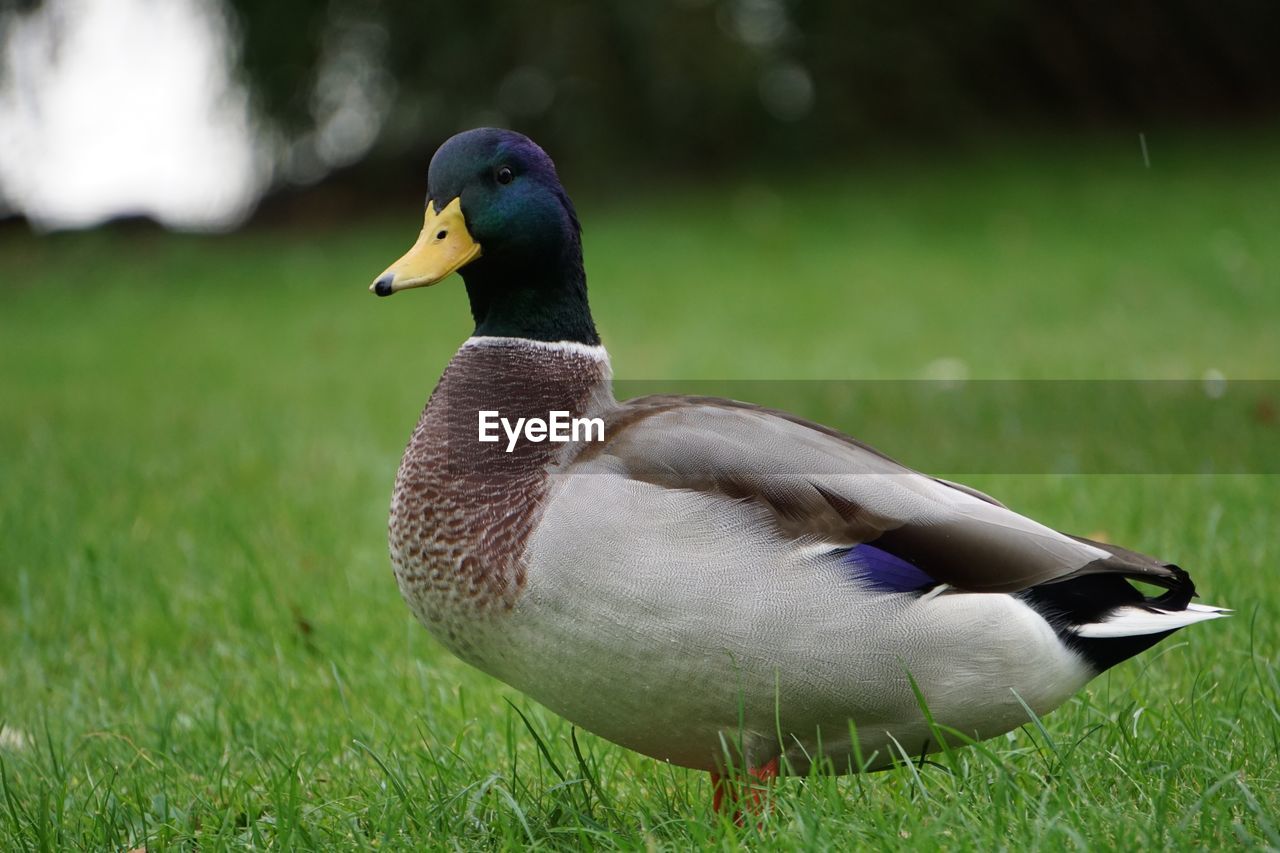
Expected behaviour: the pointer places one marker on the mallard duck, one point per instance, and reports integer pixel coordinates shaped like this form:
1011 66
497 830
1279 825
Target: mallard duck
708 582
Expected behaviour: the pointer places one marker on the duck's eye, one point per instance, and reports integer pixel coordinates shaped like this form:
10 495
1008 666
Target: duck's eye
505 175
441 235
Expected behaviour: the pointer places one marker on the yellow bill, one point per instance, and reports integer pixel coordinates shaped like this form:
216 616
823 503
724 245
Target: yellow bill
444 246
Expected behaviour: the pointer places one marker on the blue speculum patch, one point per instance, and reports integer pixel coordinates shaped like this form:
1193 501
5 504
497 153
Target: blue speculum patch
884 571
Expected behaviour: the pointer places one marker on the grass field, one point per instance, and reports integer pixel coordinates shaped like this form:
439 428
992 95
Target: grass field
202 645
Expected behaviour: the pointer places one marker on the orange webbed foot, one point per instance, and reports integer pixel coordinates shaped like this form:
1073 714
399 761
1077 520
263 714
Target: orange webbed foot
747 797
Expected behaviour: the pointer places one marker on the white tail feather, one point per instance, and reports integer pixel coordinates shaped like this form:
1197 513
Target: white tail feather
1135 621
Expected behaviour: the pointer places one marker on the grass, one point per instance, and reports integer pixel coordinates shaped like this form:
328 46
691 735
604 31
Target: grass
203 645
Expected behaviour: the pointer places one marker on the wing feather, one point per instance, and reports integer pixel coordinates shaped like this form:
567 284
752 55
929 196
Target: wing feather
821 485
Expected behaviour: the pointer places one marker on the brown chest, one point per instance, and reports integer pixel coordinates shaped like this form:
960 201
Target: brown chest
463 510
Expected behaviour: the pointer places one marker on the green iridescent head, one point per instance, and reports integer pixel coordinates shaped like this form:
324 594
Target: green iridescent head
497 214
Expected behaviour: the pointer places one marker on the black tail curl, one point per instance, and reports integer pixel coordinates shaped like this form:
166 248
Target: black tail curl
1098 590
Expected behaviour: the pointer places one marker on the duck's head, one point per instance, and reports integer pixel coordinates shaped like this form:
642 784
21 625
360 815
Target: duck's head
497 214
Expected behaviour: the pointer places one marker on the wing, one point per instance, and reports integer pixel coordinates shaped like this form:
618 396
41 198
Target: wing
822 486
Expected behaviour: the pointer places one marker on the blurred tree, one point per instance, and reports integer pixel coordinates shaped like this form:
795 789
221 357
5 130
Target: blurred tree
694 83
702 85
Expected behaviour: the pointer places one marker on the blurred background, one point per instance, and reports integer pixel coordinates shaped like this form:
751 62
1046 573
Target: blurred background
191 112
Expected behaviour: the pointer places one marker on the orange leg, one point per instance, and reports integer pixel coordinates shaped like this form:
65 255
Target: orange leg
717 792
753 802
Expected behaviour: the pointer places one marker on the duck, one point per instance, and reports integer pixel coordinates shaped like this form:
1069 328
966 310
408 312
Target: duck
705 581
